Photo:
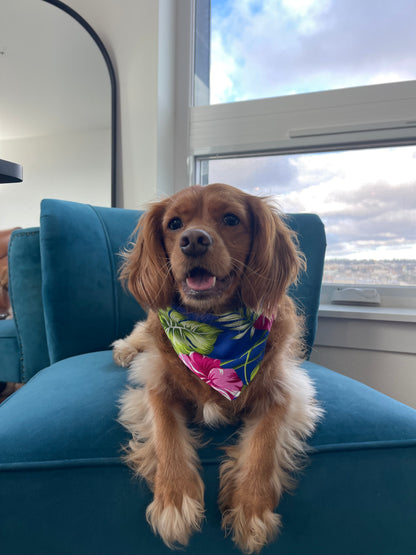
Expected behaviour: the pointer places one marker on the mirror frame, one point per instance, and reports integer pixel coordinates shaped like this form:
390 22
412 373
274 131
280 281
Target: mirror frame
75 15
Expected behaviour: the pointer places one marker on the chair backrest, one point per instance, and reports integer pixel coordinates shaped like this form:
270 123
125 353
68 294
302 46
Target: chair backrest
312 242
85 306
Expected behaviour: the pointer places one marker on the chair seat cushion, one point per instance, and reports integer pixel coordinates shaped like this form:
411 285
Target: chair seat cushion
60 466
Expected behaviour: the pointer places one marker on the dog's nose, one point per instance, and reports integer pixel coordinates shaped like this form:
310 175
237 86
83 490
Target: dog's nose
195 242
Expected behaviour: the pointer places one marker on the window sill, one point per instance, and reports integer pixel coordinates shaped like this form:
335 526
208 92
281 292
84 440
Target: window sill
381 314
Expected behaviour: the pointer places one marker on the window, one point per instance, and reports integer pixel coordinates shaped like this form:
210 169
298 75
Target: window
366 199
314 101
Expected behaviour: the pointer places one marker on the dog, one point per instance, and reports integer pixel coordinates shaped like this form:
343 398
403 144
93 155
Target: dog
212 265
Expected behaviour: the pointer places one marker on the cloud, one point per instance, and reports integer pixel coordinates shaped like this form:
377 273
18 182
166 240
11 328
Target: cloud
373 217
279 47
268 175
375 200
367 199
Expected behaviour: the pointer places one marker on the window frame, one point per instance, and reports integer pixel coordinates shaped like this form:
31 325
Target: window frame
352 118
310 122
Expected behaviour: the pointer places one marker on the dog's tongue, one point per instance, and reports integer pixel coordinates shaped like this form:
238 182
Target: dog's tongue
200 281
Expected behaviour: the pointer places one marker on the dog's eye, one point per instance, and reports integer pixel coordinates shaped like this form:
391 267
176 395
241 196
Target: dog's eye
231 219
175 223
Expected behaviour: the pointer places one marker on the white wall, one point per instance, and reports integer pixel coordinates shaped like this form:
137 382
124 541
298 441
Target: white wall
381 354
64 166
140 38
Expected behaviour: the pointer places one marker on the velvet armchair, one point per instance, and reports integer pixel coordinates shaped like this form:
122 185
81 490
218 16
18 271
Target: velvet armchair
63 486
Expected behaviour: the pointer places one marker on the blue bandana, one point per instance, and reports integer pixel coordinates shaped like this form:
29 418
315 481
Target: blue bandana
224 351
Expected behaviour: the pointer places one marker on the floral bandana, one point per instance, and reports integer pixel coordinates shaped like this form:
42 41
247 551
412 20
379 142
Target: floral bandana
224 351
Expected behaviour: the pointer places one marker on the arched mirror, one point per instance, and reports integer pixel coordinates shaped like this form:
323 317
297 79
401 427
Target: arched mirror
57 109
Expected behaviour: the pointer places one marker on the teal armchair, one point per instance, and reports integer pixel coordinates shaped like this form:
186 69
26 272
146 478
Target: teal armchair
63 486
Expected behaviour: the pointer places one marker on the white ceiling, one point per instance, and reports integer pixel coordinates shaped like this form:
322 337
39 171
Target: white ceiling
53 77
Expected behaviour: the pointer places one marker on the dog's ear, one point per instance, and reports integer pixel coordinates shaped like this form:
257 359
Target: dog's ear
273 263
146 267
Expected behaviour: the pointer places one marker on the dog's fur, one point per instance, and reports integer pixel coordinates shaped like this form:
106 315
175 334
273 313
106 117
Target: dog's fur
254 259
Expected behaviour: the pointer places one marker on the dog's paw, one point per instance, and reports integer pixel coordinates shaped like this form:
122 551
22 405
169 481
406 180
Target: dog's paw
175 525
253 533
123 353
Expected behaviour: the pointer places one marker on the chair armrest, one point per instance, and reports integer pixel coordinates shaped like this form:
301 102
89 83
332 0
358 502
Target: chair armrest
25 289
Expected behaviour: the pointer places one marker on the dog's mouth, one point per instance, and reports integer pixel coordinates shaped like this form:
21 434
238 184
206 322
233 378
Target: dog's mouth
201 283
200 279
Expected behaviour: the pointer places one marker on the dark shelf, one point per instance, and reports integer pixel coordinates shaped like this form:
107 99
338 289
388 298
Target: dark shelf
10 172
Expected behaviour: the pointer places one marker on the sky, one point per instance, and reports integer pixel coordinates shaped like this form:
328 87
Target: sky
260 49
366 198
264 48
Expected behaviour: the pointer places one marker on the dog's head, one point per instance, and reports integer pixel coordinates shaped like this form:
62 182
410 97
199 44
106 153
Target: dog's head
217 248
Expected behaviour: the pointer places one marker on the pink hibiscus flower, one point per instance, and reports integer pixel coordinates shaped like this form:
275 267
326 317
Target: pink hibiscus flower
223 380
263 323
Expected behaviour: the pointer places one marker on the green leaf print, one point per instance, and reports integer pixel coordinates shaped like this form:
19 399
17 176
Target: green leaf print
186 335
254 372
241 322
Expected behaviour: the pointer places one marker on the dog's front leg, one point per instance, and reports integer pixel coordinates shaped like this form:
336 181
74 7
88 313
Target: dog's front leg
178 505
254 476
125 350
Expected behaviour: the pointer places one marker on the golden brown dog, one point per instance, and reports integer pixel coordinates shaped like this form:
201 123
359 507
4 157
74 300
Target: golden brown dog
215 251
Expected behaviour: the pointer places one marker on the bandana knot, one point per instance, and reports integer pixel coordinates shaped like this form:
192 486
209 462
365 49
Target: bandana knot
225 351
